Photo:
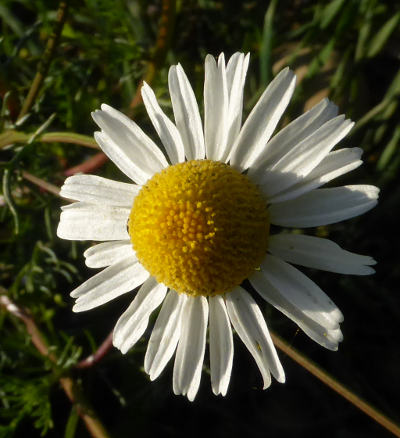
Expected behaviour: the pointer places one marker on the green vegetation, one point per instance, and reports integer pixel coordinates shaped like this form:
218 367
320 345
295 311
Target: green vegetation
59 62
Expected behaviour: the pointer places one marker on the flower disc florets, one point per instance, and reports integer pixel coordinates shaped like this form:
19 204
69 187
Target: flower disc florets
199 227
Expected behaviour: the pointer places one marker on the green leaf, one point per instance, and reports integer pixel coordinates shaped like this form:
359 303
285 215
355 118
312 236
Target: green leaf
330 12
266 43
391 148
380 39
72 423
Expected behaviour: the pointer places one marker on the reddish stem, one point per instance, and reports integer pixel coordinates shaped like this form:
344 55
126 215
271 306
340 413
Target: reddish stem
98 355
88 166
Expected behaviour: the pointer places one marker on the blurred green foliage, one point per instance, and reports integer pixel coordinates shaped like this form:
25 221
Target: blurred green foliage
346 50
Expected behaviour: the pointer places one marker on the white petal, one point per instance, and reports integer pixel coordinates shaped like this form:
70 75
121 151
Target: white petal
293 167
249 323
186 113
120 156
333 165
221 346
302 292
324 336
324 206
190 352
165 334
263 119
133 322
108 284
127 145
167 131
215 107
84 221
292 134
108 253
318 253
98 190
236 71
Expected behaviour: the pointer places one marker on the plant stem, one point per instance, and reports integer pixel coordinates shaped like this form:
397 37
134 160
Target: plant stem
98 355
71 387
165 30
9 138
336 386
41 183
44 64
88 166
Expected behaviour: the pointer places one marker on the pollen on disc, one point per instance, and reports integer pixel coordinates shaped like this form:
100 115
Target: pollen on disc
199 227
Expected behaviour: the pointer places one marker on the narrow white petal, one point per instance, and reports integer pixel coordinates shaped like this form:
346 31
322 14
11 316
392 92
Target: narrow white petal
98 190
165 334
215 107
324 336
127 145
335 164
292 134
120 156
324 206
236 71
263 119
167 131
109 284
293 167
302 292
186 113
221 346
108 253
133 322
318 253
249 323
190 352
84 221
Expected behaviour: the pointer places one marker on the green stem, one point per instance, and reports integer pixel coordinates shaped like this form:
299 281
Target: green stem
70 386
336 386
44 64
165 29
11 137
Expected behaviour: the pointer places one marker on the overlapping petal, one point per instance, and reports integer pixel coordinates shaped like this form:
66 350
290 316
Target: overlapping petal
262 120
165 335
221 346
108 253
318 253
186 112
108 284
127 145
84 221
317 331
335 164
324 206
247 320
302 292
98 190
216 104
292 134
190 352
133 322
304 157
166 130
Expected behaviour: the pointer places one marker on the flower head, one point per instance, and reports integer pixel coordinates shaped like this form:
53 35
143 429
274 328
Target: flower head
195 223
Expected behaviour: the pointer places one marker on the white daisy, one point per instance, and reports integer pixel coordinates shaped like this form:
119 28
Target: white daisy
195 223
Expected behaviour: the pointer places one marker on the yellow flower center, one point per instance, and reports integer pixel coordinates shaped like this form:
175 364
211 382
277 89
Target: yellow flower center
199 227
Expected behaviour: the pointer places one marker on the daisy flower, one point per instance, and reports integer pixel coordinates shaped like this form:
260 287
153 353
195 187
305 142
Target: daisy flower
195 223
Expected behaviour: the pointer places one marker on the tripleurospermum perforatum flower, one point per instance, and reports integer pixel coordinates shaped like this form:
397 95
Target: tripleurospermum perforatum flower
195 223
